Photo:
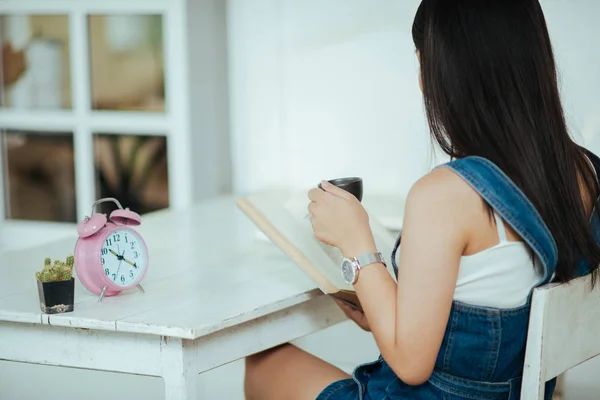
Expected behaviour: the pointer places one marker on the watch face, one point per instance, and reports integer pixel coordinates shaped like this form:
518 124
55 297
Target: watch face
348 271
123 257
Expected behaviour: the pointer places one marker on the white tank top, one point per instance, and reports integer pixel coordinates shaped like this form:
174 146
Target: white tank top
501 276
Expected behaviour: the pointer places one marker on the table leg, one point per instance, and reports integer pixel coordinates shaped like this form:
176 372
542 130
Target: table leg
179 369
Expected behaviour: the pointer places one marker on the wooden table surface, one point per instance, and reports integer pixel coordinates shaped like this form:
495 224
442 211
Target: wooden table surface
214 293
207 272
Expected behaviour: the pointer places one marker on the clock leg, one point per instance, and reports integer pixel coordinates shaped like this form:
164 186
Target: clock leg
179 374
102 294
141 288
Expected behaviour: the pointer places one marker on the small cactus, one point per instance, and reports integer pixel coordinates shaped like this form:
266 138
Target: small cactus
57 271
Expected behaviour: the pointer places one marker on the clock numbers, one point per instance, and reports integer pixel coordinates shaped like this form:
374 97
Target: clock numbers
123 257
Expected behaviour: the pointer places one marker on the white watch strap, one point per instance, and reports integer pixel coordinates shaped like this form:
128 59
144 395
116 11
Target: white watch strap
369 258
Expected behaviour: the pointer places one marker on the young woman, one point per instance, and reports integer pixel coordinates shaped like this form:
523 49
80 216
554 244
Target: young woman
514 210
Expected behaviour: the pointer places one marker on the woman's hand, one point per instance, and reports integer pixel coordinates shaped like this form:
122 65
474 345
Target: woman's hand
355 315
339 220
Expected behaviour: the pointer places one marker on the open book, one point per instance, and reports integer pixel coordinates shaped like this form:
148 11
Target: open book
283 217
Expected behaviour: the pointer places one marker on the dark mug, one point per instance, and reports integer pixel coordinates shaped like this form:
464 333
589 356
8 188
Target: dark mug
352 185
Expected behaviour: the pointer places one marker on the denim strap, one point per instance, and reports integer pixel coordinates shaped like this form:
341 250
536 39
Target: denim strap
498 190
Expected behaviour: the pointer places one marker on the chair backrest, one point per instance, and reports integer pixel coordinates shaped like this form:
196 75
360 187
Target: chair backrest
563 332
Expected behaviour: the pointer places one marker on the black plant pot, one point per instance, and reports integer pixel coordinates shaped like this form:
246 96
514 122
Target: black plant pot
56 297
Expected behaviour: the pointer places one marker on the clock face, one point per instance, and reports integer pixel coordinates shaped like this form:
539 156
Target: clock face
124 257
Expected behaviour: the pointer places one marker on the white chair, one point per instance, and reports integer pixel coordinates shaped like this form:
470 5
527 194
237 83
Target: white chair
563 332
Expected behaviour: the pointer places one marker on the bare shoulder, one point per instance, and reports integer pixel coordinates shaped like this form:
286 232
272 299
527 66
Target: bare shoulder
440 211
443 188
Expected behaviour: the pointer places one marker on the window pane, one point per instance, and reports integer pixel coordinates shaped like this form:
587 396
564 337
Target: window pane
126 61
35 68
39 176
132 169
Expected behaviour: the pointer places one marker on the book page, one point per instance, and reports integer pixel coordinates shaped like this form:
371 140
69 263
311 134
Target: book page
284 218
298 207
287 228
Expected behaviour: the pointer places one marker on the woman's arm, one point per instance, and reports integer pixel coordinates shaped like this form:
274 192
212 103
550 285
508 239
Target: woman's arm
408 320
409 331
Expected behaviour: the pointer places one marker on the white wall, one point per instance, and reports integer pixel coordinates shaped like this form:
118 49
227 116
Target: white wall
574 30
325 89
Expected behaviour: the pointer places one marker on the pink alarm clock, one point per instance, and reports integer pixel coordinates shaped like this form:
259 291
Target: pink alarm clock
110 256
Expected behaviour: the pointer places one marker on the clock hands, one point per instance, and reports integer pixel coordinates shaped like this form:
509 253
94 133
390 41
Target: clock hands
121 258
131 263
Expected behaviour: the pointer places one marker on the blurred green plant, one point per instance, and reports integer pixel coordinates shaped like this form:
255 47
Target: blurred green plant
133 171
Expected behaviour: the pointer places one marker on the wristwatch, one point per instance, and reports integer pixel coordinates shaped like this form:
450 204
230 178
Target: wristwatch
351 266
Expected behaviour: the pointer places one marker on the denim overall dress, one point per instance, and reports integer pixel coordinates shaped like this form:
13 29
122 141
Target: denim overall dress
483 349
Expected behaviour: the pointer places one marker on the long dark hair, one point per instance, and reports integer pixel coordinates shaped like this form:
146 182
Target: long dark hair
490 90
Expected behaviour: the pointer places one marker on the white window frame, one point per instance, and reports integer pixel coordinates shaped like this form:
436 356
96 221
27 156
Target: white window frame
83 122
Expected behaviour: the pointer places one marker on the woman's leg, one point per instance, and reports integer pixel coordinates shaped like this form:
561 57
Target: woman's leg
287 372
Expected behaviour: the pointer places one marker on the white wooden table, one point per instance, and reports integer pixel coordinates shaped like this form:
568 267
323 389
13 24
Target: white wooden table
213 294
